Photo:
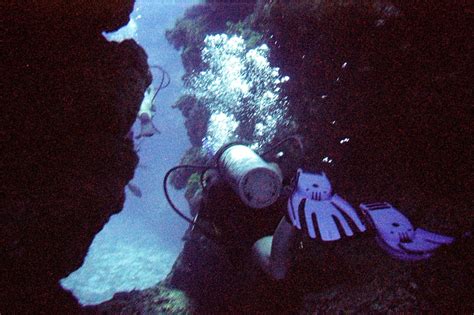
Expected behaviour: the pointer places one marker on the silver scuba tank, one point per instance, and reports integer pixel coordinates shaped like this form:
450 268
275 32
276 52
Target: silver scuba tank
257 182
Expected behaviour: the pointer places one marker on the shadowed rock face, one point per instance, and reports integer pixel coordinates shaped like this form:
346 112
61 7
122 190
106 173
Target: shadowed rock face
69 99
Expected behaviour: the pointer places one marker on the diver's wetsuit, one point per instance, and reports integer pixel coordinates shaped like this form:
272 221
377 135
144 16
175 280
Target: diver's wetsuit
238 226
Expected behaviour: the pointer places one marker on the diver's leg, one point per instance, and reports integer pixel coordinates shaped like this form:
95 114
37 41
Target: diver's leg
283 246
261 251
147 128
274 253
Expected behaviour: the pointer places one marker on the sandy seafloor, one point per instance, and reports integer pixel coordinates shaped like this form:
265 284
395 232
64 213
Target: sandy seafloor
138 246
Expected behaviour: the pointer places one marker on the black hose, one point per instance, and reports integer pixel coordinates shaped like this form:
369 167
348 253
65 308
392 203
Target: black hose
179 212
165 81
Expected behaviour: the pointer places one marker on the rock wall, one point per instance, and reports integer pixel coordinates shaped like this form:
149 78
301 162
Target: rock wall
390 76
69 99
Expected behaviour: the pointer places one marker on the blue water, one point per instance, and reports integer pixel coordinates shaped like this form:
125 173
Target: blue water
138 246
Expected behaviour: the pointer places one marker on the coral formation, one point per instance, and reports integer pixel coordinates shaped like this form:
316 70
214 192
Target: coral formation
157 300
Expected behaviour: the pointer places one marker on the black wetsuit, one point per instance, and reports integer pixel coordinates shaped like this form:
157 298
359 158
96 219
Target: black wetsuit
238 226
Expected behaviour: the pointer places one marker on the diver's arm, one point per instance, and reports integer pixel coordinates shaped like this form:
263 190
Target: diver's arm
274 253
283 245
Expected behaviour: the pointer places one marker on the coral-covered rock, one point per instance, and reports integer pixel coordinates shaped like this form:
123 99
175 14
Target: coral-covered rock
157 300
200 20
193 156
70 98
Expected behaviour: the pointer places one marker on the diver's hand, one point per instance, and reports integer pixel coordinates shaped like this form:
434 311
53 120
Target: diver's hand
397 236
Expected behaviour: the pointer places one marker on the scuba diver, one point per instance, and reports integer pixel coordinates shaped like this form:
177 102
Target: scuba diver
240 199
244 197
147 107
145 115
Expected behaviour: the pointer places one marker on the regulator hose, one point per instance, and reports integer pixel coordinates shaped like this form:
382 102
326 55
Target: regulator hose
165 80
175 208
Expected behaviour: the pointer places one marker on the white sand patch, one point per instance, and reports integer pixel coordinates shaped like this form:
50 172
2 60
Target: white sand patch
115 267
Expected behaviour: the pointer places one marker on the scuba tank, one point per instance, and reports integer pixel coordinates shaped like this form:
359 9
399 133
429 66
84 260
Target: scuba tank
257 182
